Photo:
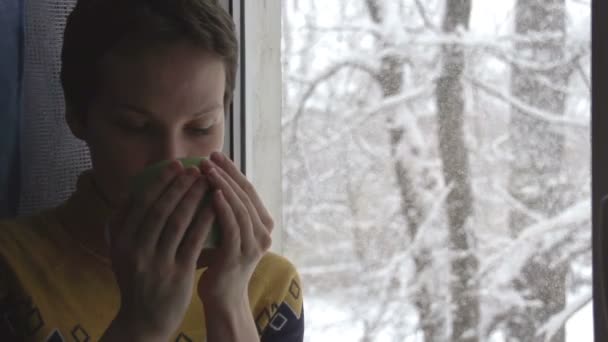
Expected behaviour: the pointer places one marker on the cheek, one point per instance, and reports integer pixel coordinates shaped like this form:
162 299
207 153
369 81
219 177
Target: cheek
114 159
219 138
108 144
115 153
210 143
221 133
206 146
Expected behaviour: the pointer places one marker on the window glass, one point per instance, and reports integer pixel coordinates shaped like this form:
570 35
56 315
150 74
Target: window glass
436 168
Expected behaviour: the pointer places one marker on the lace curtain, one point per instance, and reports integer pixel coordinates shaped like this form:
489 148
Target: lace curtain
51 157
11 44
40 159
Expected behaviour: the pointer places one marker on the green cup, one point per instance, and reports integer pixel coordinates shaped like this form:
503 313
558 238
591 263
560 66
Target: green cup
152 172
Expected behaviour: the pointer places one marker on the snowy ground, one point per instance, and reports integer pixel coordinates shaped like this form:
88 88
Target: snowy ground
580 326
327 323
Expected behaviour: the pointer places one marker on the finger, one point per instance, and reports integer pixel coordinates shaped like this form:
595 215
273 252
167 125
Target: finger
243 196
193 242
157 218
181 218
239 209
260 232
228 165
231 236
141 202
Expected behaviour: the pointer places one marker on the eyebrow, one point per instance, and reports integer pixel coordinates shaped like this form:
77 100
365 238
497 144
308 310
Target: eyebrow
133 108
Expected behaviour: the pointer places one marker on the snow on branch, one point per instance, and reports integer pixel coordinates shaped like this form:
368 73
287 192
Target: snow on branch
551 327
365 114
517 204
527 109
345 267
535 239
470 39
421 240
356 29
570 59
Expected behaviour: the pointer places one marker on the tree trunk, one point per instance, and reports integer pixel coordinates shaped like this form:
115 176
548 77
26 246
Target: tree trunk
537 145
391 79
454 155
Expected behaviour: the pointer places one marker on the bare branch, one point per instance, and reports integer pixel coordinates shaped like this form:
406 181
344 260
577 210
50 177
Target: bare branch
584 76
428 23
324 77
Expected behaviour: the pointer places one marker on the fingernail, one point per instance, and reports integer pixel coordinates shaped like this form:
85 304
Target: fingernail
170 171
206 166
192 171
174 166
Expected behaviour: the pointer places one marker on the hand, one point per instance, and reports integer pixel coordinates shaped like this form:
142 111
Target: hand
245 228
156 238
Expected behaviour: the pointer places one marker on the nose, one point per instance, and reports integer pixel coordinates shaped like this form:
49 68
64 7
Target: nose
169 147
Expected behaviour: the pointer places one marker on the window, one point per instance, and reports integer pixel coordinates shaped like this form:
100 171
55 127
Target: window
436 168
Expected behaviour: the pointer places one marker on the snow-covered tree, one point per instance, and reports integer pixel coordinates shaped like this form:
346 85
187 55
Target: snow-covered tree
399 137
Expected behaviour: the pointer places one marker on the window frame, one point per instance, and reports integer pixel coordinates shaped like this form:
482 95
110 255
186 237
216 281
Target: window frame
249 112
253 139
235 132
599 75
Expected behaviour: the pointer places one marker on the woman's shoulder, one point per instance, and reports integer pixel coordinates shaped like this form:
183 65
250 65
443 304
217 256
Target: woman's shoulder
275 263
17 228
28 224
276 270
20 244
23 234
276 294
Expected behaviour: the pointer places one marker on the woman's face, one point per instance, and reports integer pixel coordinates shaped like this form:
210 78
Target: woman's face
150 107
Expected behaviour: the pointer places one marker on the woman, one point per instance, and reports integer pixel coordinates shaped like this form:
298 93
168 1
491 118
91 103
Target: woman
145 81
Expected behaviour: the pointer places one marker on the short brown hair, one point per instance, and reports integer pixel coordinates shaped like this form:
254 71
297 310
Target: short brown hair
95 27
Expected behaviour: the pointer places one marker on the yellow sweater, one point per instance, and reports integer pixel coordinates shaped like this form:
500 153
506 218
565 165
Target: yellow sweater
54 288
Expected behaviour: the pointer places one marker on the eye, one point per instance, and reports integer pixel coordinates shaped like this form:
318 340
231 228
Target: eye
201 127
200 130
130 123
135 127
